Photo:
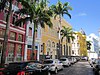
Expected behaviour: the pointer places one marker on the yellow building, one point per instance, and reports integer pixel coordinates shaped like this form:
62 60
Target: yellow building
50 39
82 43
66 50
79 47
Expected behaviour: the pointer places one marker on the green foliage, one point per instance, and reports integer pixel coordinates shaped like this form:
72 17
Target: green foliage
2 4
61 9
67 32
88 45
37 13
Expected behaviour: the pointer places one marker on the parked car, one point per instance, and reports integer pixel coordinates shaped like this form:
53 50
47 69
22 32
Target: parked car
96 67
65 61
91 61
84 58
2 67
37 69
72 60
26 68
77 59
54 65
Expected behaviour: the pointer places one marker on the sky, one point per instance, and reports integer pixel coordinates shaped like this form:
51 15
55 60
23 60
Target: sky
85 15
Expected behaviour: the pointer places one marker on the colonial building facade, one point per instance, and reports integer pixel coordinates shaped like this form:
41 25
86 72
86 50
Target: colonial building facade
50 40
16 37
79 47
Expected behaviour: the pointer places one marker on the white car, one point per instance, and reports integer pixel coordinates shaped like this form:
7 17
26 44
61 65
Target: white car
54 64
65 61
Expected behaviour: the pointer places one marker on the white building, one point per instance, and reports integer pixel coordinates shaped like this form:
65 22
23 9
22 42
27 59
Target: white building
29 40
94 51
75 43
75 46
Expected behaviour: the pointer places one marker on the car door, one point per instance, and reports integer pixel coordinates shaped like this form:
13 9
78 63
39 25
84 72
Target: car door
59 64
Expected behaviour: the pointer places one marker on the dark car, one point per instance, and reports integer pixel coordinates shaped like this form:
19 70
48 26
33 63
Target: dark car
26 68
2 67
96 67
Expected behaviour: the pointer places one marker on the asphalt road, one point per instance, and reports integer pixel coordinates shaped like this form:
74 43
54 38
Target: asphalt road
79 68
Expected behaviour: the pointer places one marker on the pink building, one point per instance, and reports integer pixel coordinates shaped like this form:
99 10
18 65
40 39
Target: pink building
16 37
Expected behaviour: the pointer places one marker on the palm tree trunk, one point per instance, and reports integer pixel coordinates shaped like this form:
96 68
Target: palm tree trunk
33 43
66 47
59 51
5 43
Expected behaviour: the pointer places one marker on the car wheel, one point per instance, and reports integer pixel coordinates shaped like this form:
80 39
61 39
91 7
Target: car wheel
56 71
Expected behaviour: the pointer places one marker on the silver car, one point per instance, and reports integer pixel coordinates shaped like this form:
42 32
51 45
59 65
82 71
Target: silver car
65 61
54 64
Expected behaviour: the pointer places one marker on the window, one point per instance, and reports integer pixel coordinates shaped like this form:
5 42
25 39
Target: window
12 35
68 40
21 24
30 31
77 44
29 46
53 44
36 47
11 52
14 19
72 51
2 32
20 37
49 44
18 58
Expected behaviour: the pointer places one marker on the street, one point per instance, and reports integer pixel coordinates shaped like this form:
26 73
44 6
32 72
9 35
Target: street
80 68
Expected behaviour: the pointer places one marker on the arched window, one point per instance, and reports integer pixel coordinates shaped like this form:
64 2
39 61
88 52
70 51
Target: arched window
48 44
53 44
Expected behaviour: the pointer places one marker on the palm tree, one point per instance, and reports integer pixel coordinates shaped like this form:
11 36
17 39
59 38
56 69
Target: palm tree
68 34
59 10
38 14
5 43
88 45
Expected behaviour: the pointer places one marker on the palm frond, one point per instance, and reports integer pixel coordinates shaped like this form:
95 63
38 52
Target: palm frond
25 3
66 4
21 11
67 14
3 4
21 20
67 32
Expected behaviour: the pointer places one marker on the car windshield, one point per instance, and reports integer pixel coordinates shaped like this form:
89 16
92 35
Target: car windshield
31 65
48 61
98 61
62 59
34 66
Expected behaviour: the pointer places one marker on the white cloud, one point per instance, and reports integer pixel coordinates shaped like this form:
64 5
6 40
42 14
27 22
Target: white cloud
82 14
